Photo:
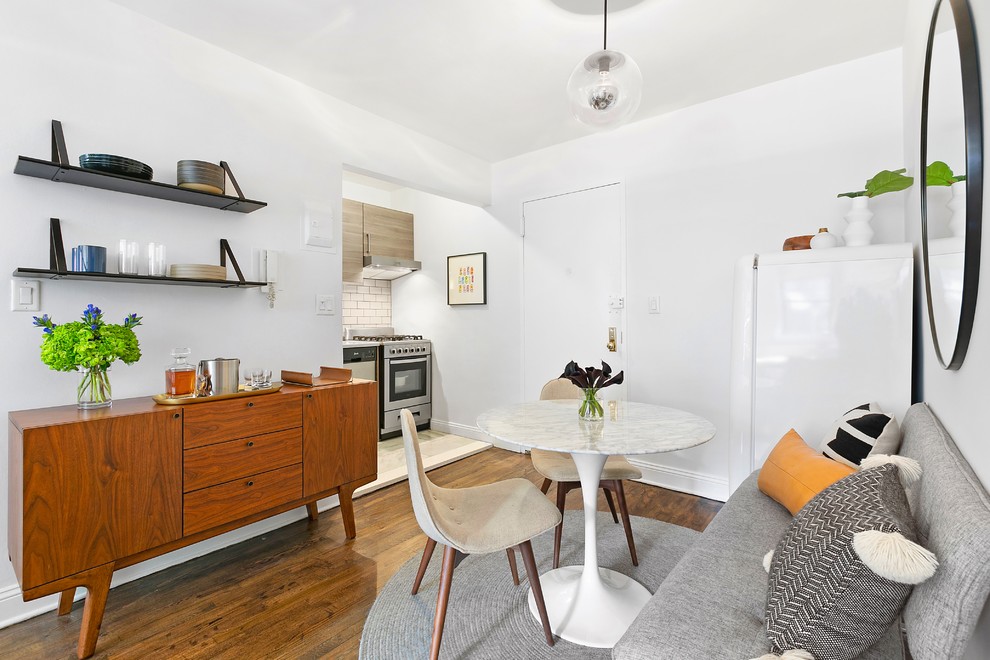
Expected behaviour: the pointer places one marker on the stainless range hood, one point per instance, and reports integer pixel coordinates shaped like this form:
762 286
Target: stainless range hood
387 268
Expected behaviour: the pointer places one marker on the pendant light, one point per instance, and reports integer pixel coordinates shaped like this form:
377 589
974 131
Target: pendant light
605 87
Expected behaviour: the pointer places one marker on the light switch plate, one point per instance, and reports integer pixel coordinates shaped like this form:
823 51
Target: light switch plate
653 304
25 295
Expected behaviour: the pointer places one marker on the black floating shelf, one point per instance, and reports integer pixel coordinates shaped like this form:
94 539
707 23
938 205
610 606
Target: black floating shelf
53 171
133 279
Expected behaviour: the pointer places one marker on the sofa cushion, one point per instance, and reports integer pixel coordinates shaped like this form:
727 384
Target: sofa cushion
862 431
794 472
952 510
833 589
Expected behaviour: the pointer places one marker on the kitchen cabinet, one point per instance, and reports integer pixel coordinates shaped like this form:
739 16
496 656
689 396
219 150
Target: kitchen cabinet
94 491
373 230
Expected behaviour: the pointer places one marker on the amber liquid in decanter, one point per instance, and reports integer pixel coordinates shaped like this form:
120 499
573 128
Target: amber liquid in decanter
180 378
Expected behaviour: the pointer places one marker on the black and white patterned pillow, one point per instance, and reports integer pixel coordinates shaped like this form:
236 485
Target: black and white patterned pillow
862 431
843 569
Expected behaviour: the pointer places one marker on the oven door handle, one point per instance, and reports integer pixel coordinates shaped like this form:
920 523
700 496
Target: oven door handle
408 360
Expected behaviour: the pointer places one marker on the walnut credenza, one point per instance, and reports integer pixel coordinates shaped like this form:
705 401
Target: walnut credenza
94 491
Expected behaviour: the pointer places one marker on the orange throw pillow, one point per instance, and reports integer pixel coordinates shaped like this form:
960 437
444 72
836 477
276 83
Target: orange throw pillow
794 472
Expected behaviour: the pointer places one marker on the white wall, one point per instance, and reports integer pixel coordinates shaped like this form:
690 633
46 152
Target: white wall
956 397
124 84
704 186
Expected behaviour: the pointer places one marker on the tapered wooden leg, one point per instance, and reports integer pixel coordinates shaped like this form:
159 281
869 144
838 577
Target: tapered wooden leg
446 574
65 601
347 510
620 494
559 531
97 589
512 566
611 504
526 549
423 563
546 486
312 511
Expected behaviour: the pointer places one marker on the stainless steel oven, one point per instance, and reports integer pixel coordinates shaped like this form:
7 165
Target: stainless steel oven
406 382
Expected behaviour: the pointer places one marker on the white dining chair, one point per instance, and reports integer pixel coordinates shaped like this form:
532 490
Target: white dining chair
475 520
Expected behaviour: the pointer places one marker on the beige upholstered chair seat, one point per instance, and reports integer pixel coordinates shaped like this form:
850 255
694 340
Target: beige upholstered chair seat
557 466
492 517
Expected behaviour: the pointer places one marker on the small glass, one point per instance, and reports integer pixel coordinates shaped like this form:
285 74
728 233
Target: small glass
261 378
127 257
156 259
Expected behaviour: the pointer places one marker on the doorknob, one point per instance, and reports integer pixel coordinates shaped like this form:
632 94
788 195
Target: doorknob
611 341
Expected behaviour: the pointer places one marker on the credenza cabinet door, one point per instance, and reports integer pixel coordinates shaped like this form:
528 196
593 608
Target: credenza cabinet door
96 491
340 436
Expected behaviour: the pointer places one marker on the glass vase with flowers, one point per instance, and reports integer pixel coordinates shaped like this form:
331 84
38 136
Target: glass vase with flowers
590 380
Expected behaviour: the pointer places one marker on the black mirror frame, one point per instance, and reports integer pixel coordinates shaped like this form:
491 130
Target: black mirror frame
973 123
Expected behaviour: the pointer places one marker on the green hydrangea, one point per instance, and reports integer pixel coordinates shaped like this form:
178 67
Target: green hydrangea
90 343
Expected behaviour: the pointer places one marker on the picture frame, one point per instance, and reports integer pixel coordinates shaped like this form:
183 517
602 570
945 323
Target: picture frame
467 279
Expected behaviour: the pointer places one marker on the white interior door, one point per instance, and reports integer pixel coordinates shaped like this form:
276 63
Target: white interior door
573 284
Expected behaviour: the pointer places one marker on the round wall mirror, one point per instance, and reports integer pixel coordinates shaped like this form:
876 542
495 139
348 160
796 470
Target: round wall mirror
952 197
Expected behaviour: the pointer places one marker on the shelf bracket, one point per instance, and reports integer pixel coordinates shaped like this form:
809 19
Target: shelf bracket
56 249
60 154
226 252
226 168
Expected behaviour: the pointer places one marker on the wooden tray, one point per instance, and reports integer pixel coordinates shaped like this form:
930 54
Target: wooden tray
166 400
327 376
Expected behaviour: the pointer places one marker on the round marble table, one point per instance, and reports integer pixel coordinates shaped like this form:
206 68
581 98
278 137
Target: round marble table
586 604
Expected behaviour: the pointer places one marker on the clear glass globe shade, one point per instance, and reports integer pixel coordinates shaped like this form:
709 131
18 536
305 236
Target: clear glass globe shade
605 89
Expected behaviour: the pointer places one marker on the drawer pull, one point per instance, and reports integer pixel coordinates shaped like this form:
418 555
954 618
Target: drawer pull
176 415
250 443
250 483
309 396
251 404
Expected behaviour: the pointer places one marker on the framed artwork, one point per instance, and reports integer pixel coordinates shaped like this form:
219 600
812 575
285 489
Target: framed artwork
466 279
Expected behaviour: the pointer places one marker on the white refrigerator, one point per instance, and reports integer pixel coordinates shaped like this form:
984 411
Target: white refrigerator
816 333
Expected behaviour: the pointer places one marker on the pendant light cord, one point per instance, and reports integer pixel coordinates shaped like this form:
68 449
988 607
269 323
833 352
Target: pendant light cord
605 35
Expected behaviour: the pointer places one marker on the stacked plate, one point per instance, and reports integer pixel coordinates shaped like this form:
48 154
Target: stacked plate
200 175
198 271
116 165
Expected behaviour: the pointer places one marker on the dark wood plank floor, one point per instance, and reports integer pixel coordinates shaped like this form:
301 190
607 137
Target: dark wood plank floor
301 591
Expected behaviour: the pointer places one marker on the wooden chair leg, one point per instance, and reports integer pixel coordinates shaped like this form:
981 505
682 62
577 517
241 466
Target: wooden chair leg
446 574
620 495
606 488
526 548
65 600
512 565
423 563
559 531
545 488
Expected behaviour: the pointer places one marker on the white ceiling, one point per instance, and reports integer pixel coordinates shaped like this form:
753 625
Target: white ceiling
488 76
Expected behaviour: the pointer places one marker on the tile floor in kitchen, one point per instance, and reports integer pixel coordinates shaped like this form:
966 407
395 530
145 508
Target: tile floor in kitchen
437 448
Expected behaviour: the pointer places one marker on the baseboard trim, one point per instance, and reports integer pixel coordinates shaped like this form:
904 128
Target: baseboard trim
684 481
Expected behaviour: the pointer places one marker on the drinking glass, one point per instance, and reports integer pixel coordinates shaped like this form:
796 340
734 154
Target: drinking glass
127 257
156 259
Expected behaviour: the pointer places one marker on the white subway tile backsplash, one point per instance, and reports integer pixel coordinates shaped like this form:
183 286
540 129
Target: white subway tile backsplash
369 303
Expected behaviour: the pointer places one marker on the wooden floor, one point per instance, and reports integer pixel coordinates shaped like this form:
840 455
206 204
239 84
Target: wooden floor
302 591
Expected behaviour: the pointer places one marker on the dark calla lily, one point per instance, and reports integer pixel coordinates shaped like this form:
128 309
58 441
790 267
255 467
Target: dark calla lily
591 380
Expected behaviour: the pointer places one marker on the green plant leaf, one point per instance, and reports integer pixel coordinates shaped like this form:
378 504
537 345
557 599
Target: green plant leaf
860 193
887 181
939 174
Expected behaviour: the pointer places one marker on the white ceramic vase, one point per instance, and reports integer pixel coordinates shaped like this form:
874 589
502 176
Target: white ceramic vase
858 230
824 239
957 204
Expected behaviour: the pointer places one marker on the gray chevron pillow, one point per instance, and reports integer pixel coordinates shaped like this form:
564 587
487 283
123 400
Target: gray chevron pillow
841 572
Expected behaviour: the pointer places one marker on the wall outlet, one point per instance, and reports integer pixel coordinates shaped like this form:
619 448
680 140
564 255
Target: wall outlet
325 305
653 304
25 295
318 227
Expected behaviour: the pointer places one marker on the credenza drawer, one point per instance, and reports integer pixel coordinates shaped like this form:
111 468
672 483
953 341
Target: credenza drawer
210 507
226 461
218 421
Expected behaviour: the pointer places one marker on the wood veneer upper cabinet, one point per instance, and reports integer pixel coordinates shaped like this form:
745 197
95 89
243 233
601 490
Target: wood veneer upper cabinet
369 229
84 493
352 261
340 436
388 232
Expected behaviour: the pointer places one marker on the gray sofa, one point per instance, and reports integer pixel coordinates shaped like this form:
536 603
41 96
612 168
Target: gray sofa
711 604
